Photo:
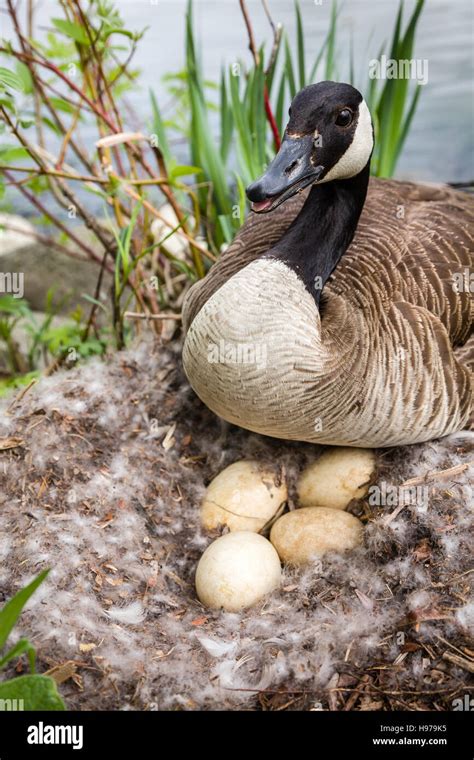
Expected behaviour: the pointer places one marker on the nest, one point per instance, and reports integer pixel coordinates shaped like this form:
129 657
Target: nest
103 470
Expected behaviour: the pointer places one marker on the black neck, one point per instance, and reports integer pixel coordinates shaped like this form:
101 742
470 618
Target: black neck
314 243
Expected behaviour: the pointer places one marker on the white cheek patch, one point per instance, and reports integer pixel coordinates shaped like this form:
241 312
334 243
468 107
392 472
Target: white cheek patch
358 153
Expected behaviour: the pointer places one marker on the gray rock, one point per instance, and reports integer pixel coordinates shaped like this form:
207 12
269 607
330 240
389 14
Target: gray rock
31 267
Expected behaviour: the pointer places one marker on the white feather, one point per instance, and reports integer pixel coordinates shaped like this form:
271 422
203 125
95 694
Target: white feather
358 153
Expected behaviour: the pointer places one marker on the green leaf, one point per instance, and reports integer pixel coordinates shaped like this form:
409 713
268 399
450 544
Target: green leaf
11 611
183 171
10 383
32 692
8 154
125 33
21 646
94 301
11 305
56 47
51 124
62 105
10 79
23 73
70 29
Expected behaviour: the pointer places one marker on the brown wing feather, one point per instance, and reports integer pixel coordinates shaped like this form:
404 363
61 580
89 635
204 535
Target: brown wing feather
392 322
411 244
411 241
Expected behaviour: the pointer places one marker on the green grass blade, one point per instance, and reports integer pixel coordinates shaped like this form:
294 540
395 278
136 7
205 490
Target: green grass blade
226 119
372 89
242 198
386 104
396 32
319 58
208 152
351 60
331 45
159 130
406 125
21 646
11 611
300 45
127 239
241 121
260 118
289 70
393 101
405 52
280 104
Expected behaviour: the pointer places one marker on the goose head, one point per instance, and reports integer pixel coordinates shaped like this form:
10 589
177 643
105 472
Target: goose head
329 136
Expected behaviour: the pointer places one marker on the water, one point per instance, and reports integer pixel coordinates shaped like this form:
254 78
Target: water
440 144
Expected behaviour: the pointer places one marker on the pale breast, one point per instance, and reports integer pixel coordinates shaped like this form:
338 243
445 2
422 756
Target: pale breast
254 347
259 355
255 356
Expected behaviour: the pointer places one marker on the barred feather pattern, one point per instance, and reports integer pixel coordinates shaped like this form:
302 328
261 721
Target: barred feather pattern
388 357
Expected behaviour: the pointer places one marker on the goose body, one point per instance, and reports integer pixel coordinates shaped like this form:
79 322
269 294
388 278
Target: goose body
336 317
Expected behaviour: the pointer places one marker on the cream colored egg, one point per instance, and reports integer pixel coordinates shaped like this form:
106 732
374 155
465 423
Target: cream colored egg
307 533
237 570
244 496
337 477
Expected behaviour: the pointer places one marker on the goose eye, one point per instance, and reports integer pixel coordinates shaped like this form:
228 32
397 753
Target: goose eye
344 118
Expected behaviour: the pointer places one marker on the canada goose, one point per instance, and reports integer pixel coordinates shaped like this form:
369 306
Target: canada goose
369 360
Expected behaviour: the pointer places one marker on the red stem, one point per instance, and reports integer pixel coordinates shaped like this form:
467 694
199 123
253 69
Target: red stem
271 120
256 57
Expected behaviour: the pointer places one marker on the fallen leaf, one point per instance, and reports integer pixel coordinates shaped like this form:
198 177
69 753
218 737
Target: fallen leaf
411 646
10 443
63 672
